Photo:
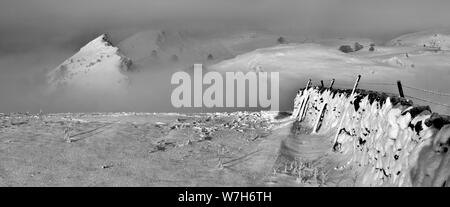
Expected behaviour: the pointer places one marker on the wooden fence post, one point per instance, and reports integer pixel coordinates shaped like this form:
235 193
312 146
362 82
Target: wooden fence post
356 84
319 118
303 109
309 83
332 83
345 112
299 111
400 89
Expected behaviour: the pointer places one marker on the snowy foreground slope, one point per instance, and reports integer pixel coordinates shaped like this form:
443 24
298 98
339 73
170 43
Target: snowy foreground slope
96 66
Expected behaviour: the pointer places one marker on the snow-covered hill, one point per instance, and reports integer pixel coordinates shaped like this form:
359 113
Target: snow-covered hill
306 60
380 69
431 39
98 66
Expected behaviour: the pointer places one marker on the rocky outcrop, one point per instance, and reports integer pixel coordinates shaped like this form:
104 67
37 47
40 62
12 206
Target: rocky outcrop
389 139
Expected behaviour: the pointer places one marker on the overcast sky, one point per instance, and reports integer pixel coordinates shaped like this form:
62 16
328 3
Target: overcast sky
28 24
37 35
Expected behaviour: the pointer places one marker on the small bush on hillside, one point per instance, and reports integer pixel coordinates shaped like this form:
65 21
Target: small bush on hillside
346 48
372 47
154 54
358 46
281 40
210 57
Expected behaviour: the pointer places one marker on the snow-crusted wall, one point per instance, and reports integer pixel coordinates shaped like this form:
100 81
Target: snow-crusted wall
394 142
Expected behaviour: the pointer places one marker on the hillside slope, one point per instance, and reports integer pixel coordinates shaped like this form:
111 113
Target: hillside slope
308 60
156 46
428 39
380 69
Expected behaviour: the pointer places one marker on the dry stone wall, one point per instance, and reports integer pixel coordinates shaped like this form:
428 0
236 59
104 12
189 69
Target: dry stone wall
394 142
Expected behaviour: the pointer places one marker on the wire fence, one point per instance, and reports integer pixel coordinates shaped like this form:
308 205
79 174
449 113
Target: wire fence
428 91
428 101
393 89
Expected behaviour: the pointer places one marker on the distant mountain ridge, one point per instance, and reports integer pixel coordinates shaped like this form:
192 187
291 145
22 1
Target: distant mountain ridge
102 66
